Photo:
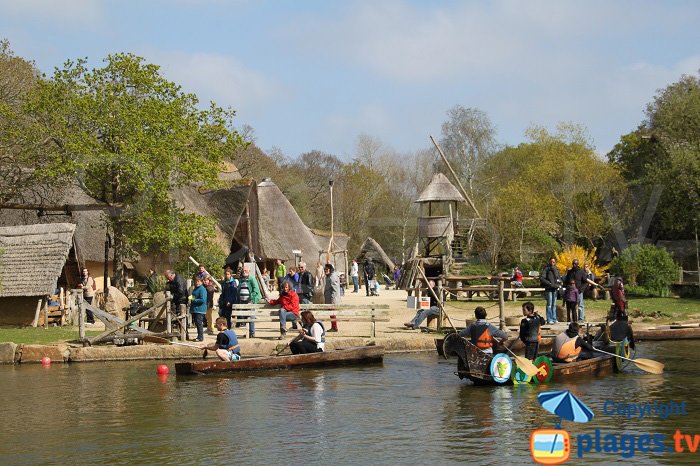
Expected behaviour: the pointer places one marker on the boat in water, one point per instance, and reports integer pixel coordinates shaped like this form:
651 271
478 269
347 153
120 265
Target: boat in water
340 357
487 369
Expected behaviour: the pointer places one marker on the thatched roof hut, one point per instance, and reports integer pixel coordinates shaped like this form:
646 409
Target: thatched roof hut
440 190
280 229
373 251
32 258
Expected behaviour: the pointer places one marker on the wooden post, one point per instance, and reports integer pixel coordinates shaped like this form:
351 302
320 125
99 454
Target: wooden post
81 313
45 307
35 322
501 306
440 295
168 314
183 322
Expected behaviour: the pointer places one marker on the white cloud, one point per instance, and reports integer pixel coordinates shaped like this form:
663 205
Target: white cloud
220 78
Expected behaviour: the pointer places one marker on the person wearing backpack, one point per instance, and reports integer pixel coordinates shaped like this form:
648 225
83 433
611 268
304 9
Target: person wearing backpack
551 281
248 293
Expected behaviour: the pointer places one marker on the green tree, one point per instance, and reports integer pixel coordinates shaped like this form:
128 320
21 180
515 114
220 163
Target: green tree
665 151
648 266
546 192
130 136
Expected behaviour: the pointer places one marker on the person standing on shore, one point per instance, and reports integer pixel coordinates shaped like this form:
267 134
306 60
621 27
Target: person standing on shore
306 284
331 292
368 269
198 306
355 276
228 297
87 283
551 281
248 292
280 273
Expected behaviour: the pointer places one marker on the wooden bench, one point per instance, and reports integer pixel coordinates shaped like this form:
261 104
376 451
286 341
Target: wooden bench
373 313
514 292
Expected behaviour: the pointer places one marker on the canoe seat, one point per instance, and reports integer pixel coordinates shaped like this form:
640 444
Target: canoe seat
372 313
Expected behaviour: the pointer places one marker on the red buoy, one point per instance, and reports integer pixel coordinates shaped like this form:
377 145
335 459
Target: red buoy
46 361
162 369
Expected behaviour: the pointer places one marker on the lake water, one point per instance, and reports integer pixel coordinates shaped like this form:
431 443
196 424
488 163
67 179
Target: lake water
410 409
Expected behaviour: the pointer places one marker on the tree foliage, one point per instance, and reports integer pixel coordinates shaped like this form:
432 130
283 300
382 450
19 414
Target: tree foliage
130 137
647 266
664 151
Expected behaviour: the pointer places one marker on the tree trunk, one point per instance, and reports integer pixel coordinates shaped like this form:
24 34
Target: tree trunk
118 260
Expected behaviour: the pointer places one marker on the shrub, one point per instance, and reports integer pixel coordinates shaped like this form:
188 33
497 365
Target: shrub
646 266
566 257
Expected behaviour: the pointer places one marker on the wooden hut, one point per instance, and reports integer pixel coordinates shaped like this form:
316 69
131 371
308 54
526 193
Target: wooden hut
32 262
374 252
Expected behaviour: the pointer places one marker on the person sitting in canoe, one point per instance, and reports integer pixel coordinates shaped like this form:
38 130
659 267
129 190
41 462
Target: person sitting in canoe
312 336
482 333
616 331
289 300
568 346
226 346
530 330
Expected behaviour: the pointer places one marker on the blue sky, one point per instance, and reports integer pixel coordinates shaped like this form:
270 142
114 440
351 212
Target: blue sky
316 74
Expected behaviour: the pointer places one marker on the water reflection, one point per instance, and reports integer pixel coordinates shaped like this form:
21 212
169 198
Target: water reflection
412 409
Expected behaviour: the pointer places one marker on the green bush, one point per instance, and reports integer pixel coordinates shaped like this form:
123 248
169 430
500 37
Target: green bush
646 266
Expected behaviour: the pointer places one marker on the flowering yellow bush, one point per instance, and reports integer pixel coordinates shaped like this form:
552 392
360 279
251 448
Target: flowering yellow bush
566 257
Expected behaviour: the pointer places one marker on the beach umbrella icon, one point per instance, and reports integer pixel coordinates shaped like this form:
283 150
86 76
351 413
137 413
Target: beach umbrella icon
565 405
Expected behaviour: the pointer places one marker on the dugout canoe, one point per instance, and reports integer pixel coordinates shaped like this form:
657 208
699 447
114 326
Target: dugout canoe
671 332
518 347
340 357
481 368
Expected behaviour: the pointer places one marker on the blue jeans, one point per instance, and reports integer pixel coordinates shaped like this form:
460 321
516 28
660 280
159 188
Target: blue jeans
551 297
581 313
424 314
198 320
355 284
285 316
305 300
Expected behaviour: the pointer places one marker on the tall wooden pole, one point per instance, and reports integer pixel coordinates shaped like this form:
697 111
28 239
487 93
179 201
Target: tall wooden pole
330 242
454 175
501 306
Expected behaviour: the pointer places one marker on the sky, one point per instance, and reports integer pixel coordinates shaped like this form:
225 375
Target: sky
314 75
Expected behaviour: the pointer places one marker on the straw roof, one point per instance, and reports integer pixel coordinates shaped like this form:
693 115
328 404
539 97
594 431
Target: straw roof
372 250
280 230
32 258
440 189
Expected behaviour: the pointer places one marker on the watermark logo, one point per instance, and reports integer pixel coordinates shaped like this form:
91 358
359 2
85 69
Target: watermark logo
550 446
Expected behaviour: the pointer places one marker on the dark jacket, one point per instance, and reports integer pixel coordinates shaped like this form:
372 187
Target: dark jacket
306 284
550 278
369 270
530 328
579 276
229 293
178 288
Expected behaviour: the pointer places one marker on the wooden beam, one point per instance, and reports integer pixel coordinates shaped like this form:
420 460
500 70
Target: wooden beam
454 175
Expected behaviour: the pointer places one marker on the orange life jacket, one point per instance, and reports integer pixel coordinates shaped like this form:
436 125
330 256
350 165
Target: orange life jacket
481 337
565 348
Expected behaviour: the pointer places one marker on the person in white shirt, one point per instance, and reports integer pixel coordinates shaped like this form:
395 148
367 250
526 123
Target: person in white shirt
355 276
312 336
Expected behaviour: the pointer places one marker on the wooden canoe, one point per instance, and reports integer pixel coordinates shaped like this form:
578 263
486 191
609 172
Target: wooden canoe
340 357
518 347
476 366
671 333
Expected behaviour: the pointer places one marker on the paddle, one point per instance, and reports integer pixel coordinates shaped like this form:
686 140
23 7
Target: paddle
647 365
296 338
524 364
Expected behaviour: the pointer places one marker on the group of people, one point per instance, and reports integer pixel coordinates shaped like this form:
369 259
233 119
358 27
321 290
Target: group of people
369 273
568 346
572 286
294 290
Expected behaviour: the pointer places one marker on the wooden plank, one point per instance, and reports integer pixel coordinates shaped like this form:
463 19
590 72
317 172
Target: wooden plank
312 307
123 324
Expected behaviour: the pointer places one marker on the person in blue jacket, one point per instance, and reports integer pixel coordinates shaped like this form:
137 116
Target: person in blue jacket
228 297
198 307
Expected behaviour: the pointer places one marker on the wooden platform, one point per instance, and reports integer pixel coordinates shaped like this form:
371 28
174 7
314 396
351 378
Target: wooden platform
349 356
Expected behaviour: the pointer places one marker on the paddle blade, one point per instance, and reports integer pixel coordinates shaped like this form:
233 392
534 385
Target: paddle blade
157 340
648 365
526 366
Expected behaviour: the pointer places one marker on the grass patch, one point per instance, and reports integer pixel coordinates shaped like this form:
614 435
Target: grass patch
40 335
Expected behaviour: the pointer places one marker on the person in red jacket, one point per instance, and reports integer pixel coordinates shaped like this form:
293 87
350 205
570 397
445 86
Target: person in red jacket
289 300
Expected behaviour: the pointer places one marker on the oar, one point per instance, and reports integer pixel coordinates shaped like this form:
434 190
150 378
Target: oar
296 338
165 341
647 365
524 364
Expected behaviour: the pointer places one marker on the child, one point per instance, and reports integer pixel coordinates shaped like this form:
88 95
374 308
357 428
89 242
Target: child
226 346
530 330
571 300
343 284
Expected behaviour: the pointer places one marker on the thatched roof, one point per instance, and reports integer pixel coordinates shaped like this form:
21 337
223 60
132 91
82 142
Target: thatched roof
89 231
440 189
224 205
280 230
32 258
372 250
